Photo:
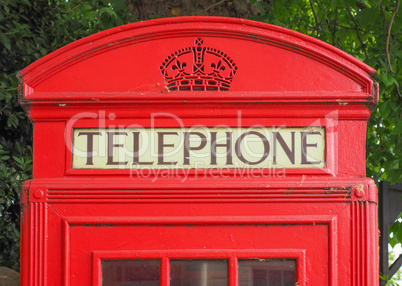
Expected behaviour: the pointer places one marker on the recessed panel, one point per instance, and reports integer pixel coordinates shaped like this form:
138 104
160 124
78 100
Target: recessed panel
199 273
267 272
131 273
191 241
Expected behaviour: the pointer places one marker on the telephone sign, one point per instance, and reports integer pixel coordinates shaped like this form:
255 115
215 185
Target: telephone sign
198 148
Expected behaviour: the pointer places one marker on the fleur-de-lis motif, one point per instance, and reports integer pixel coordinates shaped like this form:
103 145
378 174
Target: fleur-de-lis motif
218 67
198 68
179 66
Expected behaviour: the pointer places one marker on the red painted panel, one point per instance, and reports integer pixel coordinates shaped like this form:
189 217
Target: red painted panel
136 68
49 149
119 219
345 137
140 75
191 241
105 65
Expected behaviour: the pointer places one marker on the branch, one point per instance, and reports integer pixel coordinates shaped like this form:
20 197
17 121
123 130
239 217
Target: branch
379 132
72 9
388 36
315 17
361 5
333 29
350 28
357 31
399 94
209 7
319 24
339 43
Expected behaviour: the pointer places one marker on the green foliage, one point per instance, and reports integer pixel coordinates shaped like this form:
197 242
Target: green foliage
395 234
28 31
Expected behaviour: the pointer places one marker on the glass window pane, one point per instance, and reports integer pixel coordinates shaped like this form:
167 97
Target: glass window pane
131 272
198 272
267 272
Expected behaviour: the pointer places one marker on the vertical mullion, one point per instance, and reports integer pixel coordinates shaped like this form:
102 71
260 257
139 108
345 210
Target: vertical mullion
165 271
233 271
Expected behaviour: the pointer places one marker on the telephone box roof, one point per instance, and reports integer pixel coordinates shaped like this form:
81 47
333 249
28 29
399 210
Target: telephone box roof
198 59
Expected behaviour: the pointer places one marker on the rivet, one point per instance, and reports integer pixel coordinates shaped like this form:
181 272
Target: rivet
38 194
359 191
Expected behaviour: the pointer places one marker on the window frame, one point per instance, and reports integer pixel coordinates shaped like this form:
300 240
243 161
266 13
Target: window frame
232 256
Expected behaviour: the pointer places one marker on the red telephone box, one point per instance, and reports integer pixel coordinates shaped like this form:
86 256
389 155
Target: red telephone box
199 151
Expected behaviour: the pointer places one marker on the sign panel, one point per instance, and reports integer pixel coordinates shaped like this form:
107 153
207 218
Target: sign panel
199 148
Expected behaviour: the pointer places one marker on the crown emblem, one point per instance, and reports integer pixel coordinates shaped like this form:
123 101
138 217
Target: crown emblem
198 68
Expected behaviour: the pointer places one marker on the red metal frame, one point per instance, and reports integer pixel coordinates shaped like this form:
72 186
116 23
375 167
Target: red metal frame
335 118
165 256
207 122
333 217
324 218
